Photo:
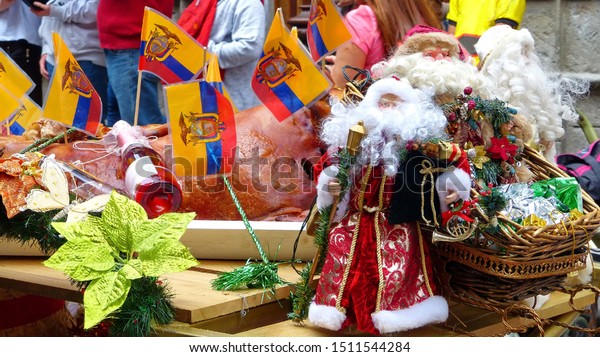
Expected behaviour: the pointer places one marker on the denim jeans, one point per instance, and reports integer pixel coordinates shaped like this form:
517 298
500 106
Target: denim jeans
122 66
97 75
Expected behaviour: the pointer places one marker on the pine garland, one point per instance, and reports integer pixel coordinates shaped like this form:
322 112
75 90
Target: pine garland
301 296
489 172
492 201
495 110
304 293
28 227
148 303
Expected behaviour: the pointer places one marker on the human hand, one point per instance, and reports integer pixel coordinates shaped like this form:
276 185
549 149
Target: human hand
40 9
43 70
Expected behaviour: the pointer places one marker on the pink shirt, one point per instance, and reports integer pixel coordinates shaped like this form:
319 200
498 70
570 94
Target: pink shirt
362 24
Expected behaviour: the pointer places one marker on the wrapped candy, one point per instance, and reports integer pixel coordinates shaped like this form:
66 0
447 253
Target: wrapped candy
565 190
525 207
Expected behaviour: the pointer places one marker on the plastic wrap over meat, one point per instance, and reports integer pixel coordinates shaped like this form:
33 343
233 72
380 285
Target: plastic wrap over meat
269 174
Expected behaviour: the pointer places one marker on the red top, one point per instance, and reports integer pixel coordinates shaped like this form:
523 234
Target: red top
120 21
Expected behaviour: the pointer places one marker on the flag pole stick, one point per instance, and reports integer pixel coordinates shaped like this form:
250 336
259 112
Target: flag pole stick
137 99
8 127
205 65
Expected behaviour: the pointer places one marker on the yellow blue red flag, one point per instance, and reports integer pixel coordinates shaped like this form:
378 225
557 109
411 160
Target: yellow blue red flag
326 30
202 128
286 79
72 99
213 77
12 76
10 104
27 113
168 51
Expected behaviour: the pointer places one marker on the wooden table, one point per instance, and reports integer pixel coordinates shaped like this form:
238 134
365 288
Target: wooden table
202 311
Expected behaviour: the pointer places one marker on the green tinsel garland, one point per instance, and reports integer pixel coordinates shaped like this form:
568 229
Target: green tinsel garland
148 303
252 275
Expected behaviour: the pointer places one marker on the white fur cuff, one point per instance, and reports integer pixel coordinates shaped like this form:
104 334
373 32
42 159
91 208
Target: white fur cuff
430 311
326 316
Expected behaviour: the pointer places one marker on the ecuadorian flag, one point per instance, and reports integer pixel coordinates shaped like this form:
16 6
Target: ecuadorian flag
326 30
71 98
168 51
27 113
12 76
213 77
202 128
286 79
10 104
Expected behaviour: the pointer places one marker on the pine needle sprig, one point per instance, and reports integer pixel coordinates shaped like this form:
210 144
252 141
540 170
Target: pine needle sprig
148 303
301 296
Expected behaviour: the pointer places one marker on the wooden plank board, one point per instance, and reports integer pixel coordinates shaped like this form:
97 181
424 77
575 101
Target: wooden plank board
230 240
30 276
203 311
290 329
10 247
227 240
195 300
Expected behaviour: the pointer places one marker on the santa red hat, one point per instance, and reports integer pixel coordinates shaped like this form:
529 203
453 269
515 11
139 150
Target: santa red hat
421 37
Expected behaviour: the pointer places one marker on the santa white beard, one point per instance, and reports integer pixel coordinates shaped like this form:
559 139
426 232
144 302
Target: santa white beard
445 77
416 118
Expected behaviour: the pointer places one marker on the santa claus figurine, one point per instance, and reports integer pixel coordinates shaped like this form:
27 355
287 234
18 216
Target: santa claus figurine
430 59
517 76
377 275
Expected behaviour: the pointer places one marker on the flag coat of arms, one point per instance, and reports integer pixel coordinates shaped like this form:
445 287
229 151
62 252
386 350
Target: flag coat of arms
12 76
213 77
326 30
10 104
286 79
202 129
168 51
72 99
27 113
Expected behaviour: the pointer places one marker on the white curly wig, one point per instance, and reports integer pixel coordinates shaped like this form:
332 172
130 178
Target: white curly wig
509 61
447 78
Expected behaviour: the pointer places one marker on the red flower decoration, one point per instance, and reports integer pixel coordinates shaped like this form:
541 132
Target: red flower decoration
502 149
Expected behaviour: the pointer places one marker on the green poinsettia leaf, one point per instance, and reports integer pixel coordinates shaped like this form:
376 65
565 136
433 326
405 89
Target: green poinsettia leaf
117 218
104 296
166 256
167 226
133 269
86 230
82 260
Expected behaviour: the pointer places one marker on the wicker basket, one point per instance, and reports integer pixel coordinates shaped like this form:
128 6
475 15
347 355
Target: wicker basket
526 260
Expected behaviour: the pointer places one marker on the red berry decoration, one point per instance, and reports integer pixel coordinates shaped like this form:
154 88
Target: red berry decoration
468 90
